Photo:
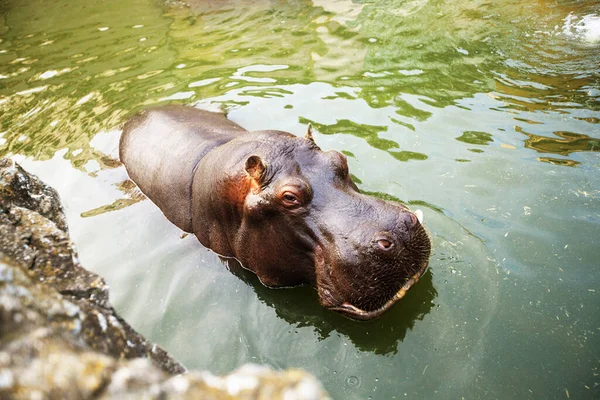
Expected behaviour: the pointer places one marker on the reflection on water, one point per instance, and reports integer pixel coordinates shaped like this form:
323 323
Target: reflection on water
300 307
569 142
82 75
470 110
471 137
132 192
368 132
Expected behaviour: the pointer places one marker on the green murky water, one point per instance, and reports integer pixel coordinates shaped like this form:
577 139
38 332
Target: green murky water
483 114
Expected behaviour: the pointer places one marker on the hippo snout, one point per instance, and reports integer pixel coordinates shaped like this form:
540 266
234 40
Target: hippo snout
386 241
373 267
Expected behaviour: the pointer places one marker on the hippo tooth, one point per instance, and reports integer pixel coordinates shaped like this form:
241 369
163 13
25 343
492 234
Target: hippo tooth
419 215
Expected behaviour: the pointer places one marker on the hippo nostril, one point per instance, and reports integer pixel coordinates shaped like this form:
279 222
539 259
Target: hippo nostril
410 219
384 244
413 218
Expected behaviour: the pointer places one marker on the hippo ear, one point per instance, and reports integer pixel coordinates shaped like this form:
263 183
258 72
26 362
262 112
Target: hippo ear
255 167
309 135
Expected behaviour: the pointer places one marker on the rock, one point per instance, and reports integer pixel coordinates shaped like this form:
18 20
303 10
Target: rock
59 335
33 236
18 188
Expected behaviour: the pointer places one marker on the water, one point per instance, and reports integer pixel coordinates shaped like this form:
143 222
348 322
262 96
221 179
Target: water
484 115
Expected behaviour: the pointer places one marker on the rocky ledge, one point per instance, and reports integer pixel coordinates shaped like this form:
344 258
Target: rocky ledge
61 338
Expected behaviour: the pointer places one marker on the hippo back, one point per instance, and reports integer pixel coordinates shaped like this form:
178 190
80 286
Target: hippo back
161 149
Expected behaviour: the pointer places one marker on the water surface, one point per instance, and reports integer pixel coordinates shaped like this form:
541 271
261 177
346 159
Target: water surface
484 115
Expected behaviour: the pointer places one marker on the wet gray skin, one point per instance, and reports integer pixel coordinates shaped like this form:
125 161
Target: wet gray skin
280 205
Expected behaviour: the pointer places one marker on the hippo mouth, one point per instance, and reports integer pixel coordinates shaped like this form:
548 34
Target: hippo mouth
354 312
332 298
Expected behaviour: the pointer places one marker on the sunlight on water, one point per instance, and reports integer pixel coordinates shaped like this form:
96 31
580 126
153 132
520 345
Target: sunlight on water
586 28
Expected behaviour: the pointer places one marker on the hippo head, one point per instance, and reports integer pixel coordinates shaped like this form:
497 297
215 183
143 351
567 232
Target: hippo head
305 221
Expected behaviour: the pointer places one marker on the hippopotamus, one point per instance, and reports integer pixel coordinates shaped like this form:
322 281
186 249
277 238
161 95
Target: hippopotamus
277 203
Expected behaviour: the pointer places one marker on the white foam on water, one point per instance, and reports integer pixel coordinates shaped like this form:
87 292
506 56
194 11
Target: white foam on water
585 29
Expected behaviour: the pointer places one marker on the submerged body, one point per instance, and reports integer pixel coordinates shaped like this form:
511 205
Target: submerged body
285 209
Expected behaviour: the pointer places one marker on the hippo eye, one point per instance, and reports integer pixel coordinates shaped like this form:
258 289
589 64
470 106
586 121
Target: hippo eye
290 199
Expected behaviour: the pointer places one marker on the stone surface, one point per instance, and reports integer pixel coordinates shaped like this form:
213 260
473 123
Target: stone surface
59 335
18 188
